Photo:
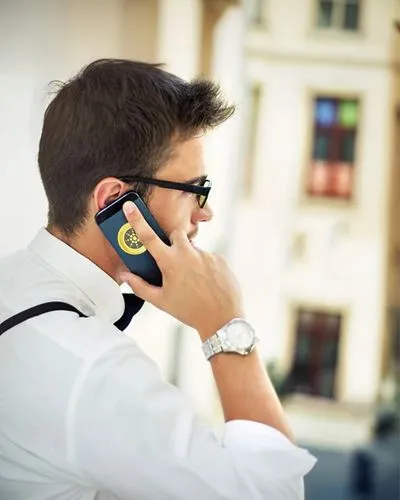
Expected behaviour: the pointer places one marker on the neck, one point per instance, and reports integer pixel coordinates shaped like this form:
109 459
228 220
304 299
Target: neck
90 243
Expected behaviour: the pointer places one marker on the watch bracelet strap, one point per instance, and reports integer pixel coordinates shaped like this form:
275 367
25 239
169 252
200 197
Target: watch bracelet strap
212 346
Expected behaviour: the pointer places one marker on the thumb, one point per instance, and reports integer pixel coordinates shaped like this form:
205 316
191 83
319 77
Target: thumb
141 288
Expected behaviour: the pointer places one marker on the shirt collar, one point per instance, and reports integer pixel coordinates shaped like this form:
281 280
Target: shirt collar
99 288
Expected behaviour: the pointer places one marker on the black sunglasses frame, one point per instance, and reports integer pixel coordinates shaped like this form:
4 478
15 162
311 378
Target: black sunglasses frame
202 192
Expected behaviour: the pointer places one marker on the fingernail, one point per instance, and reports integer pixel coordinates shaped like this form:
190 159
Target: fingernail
129 207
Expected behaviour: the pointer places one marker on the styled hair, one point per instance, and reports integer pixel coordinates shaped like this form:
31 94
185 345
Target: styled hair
116 118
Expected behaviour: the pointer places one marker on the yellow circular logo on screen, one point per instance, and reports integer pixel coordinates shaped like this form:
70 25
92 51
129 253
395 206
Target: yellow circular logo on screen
129 242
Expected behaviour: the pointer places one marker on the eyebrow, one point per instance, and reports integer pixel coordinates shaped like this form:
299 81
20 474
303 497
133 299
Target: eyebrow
196 180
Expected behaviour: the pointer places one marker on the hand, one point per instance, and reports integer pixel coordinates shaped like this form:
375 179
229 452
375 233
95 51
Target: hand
198 287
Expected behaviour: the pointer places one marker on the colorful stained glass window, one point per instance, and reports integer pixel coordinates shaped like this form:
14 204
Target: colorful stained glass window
326 112
348 113
334 147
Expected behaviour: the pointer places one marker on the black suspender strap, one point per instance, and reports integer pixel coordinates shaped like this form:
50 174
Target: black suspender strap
37 311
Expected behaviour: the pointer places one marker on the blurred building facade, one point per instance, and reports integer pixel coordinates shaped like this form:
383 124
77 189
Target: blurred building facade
317 243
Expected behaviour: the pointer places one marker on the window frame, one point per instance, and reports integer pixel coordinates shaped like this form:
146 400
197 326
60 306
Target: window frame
290 351
306 199
260 20
338 14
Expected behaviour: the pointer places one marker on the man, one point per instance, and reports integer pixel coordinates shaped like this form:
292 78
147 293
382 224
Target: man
84 413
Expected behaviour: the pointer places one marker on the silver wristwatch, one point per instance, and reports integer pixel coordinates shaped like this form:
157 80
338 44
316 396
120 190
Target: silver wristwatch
237 336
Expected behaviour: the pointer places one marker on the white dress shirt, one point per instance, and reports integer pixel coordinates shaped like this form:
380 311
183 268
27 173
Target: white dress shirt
85 414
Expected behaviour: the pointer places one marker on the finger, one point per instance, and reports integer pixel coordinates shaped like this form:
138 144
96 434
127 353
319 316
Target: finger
145 233
142 289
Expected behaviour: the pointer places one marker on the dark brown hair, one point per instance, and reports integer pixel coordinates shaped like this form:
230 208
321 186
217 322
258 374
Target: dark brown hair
114 118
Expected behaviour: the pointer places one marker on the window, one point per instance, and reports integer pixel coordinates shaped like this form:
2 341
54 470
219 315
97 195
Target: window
395 336
338 14
256 12
393 365
331 172
316 355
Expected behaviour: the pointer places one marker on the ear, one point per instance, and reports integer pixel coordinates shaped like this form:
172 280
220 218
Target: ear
106 191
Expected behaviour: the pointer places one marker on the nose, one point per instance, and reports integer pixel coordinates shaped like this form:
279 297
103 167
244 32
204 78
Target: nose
204 214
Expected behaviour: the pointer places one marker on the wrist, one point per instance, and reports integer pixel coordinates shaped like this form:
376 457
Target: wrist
210 328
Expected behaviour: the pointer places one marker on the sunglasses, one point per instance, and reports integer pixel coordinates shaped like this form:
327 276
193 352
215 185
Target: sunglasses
202 190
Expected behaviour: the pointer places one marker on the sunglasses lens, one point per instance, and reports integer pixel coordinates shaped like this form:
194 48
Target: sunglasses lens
202 198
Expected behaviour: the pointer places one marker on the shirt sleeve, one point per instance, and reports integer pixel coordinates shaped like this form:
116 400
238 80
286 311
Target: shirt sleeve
135 436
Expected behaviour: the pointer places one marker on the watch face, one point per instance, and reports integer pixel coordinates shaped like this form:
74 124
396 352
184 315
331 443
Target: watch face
240 335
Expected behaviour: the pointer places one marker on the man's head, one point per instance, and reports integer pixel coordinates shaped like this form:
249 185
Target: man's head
121 118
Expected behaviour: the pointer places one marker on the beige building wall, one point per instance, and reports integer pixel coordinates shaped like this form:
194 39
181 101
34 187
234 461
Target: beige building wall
291 250
390 369
394 207
40 42
289 33
140 21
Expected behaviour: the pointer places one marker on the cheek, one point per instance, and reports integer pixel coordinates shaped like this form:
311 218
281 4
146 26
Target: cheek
172 213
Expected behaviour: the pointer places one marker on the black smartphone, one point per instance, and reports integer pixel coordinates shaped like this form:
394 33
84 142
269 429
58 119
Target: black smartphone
112 222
